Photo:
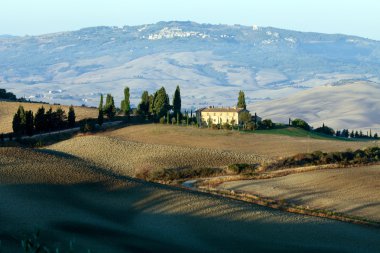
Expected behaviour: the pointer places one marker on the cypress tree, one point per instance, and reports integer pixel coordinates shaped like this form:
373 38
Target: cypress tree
19 121
241 100
143 107
29 123
59 117
101 112
125 104
16 124
101 102
71 117
161 103
39 120
167 117
177 118
151 101
110 108
177 101
49 120
100 117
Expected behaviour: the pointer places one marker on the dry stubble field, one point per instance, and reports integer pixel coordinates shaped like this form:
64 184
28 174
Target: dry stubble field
8 109
272 146
70 199
353 191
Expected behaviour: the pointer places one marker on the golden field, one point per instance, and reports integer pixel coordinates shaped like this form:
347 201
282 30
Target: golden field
352 191
96 208
267 145
8 109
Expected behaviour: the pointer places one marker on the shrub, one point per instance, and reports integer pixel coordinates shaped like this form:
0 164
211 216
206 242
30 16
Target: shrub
266 124
226 126
325 130
180 173
368 155
239 168
301 124
87 126
214 126
162 120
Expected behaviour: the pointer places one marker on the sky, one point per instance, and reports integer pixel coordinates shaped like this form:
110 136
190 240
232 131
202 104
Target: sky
34 17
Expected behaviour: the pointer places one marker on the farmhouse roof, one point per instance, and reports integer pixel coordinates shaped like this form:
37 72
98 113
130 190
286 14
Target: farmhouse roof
221 109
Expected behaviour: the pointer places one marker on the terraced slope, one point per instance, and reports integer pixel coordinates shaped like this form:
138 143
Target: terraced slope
69 199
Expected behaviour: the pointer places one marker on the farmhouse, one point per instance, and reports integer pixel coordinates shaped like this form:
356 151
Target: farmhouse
220 115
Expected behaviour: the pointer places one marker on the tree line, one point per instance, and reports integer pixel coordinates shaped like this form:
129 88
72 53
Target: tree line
155 107
26 123
345 133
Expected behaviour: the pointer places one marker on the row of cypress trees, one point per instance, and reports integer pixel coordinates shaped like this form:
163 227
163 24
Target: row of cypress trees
24 122
155 105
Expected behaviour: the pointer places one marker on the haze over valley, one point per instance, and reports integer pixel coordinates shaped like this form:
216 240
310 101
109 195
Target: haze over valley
211 63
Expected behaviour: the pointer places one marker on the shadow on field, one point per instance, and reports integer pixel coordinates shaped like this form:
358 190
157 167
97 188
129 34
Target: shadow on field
122 214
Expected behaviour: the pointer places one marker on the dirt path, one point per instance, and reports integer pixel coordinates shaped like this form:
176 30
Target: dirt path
354 191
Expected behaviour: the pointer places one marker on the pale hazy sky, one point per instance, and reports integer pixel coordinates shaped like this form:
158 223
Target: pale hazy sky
355 17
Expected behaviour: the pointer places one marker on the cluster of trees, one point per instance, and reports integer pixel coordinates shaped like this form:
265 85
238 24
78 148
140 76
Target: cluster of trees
25 122
356 134
368 155
7 95
345 133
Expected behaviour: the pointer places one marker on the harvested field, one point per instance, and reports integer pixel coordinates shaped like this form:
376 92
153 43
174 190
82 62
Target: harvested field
263 144
353 191
105 212
8 109
129 158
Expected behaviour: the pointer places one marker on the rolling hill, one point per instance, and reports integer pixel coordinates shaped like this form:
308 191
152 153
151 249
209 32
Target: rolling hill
211 63
353 106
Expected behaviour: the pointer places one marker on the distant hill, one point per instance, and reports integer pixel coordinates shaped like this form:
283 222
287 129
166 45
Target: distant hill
352 106
211 63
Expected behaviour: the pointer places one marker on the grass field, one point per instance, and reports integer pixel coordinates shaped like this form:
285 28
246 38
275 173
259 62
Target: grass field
353 191
298 132
8 109
72 200
266 143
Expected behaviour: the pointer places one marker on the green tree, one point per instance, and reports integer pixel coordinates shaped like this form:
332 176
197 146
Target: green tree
151 100
177 119
18 123
101 102
161 103
71 117
59 118
143 107
177 101
325 130
125 103
241 100
39 120
49 120
109 108
245 117
29 123
266 124
301 124
100 117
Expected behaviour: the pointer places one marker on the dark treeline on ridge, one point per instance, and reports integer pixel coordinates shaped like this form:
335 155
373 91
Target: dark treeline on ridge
26 123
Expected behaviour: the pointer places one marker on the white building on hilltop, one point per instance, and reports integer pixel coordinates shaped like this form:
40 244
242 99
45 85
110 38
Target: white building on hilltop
220 115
